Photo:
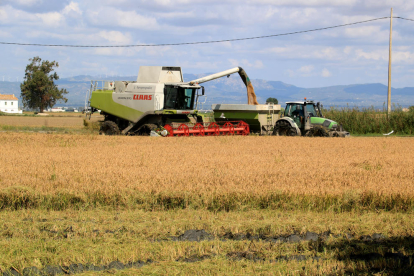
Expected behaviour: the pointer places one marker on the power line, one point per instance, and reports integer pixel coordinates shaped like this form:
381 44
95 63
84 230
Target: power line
198 42
404 18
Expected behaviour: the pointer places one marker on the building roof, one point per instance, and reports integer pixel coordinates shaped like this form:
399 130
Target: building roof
8 97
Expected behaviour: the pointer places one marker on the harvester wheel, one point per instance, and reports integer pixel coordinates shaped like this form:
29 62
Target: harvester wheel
283 128
145 130
109 128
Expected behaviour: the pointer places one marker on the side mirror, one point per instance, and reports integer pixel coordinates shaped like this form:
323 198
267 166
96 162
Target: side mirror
202 90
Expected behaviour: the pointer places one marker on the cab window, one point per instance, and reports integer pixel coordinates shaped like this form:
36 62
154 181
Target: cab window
178 98
288 110
294 110
310 109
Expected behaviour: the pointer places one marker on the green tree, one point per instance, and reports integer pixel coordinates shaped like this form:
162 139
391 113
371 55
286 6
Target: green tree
38 88
272 100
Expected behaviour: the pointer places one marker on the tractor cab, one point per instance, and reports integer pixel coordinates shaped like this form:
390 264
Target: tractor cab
302 111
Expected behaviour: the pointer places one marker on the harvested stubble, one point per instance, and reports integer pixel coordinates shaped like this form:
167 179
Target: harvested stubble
69 121
216 173
38 238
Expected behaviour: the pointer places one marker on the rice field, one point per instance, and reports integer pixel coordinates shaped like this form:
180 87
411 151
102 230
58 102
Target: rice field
207 205
206 171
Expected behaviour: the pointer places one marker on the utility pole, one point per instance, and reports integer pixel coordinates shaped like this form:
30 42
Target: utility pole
389 71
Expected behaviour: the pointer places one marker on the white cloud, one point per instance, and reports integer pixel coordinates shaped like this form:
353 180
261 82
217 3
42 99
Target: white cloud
308 52
347 50
5 34
115 52
306 69
116 37
129 19
279 50
374 33
9 15
373 55
291 73
326 73
348 3
3 15
205 66
27 2
257 64
362 31
18 17
72 7
158 51
53 19
403 57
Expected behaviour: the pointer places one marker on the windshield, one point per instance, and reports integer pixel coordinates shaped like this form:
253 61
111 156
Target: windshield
310 109
178 98
294 110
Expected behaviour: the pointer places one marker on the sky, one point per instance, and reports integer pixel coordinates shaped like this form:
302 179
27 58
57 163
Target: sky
340 56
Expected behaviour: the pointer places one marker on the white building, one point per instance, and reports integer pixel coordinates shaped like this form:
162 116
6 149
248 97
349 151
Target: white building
9 104
57 109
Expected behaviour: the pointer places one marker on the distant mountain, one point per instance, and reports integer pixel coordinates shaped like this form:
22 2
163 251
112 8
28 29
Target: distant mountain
232 90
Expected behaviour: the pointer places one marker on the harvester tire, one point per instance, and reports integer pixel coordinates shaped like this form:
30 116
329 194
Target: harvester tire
145 130
109 128
283 128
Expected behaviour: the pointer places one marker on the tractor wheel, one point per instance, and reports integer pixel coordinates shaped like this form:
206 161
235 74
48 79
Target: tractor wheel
283 128
109 128
309 133
319 131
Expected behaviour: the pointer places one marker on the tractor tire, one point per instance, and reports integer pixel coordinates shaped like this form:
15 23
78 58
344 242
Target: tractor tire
318 131
283 128
109 128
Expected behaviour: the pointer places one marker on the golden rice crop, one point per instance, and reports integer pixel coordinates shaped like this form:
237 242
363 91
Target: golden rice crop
205 167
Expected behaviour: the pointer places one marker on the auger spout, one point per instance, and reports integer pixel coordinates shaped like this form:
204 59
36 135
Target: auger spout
251 96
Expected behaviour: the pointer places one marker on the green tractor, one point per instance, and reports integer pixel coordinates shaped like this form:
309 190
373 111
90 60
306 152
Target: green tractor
304 118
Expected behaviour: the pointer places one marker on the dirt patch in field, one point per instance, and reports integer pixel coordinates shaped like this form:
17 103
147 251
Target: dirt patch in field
194 235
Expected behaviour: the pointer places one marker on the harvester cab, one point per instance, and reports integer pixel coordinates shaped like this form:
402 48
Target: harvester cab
304 118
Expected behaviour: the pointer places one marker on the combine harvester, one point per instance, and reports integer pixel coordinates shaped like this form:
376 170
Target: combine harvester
160 102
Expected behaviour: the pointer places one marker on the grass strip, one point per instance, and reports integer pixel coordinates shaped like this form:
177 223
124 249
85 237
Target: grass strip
20 198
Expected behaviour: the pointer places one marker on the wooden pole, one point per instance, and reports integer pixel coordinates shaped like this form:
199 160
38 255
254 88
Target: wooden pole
389 71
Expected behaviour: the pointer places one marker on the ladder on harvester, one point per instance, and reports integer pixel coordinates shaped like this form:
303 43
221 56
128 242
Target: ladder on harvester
88 109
